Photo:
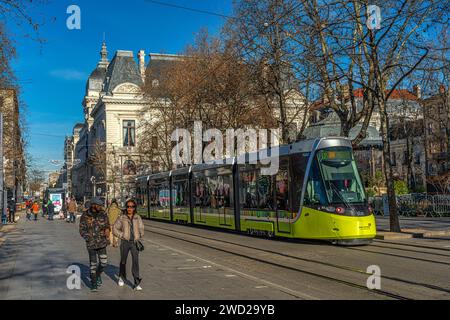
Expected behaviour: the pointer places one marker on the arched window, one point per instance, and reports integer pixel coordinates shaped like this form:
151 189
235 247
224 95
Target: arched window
129 168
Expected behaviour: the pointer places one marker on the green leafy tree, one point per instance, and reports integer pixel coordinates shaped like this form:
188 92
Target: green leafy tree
377 182
400 187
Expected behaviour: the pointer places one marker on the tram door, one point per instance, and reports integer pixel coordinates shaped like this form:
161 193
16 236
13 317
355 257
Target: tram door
224 192
200 197
282 186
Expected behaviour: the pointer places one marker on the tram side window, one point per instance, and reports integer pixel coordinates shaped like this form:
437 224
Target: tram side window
299 162
162 195
201 192
249 197
315 193
226 190
257 191
265 193
224 193
142 196
211 186
181 193
153 198
282 189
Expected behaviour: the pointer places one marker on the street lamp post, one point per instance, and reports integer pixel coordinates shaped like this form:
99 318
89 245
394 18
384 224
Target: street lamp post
94 186
3 195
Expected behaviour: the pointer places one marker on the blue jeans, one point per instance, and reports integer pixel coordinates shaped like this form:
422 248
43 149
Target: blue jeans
72 217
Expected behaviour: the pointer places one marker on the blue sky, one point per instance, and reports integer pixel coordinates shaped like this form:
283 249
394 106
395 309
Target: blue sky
53 75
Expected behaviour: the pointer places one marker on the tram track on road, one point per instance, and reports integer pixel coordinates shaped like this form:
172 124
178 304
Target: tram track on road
411 250
412 245
309 260
399 256
181 236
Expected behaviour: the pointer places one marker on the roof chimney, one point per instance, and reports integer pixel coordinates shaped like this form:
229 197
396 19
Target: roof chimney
141 56
417 91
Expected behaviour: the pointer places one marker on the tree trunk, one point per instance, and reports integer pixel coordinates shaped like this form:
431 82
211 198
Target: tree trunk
394 221
409 162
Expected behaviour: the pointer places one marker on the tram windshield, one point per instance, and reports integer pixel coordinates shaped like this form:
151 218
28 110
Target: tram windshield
334 179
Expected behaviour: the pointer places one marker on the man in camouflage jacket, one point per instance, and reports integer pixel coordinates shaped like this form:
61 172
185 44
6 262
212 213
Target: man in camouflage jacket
95 230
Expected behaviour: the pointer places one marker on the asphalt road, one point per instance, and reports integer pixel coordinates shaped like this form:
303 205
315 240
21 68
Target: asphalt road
181 262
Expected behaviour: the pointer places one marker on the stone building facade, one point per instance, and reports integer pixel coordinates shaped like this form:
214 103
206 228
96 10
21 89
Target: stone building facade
106 146
13 145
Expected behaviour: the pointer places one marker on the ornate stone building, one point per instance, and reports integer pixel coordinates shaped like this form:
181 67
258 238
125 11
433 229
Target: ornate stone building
106 146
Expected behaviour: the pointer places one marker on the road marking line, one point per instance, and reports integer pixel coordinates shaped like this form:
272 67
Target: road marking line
191 268
261 287
230 275
245 275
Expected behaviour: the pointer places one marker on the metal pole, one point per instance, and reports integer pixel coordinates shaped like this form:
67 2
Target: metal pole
2 193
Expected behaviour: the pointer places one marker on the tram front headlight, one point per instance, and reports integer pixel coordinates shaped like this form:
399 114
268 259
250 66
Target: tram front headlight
336 210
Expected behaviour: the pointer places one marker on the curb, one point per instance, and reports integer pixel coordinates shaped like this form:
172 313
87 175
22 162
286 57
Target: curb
384 235
411 233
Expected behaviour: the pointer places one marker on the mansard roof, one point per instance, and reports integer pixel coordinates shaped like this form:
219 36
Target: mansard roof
96 79
159 64
122 69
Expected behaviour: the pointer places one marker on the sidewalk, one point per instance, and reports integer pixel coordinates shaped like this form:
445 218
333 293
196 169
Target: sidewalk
4 230
35 257
414 228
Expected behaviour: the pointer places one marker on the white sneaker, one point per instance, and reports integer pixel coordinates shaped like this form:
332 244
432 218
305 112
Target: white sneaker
121 283
138 288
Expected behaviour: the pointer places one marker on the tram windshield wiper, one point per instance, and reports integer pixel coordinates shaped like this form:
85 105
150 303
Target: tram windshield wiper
338 193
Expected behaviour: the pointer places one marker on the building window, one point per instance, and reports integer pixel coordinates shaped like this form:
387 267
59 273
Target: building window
405 158
418 157
430 128
154 142
129 131
155 166
394 159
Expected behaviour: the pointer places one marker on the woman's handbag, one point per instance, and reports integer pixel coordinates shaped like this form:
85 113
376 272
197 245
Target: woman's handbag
139 245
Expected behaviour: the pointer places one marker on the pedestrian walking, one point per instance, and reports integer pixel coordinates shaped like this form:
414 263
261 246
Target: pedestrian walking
63 212
12 211
50 211
114 213
29 205
44 208
95 229
129 228
72 209
35 209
